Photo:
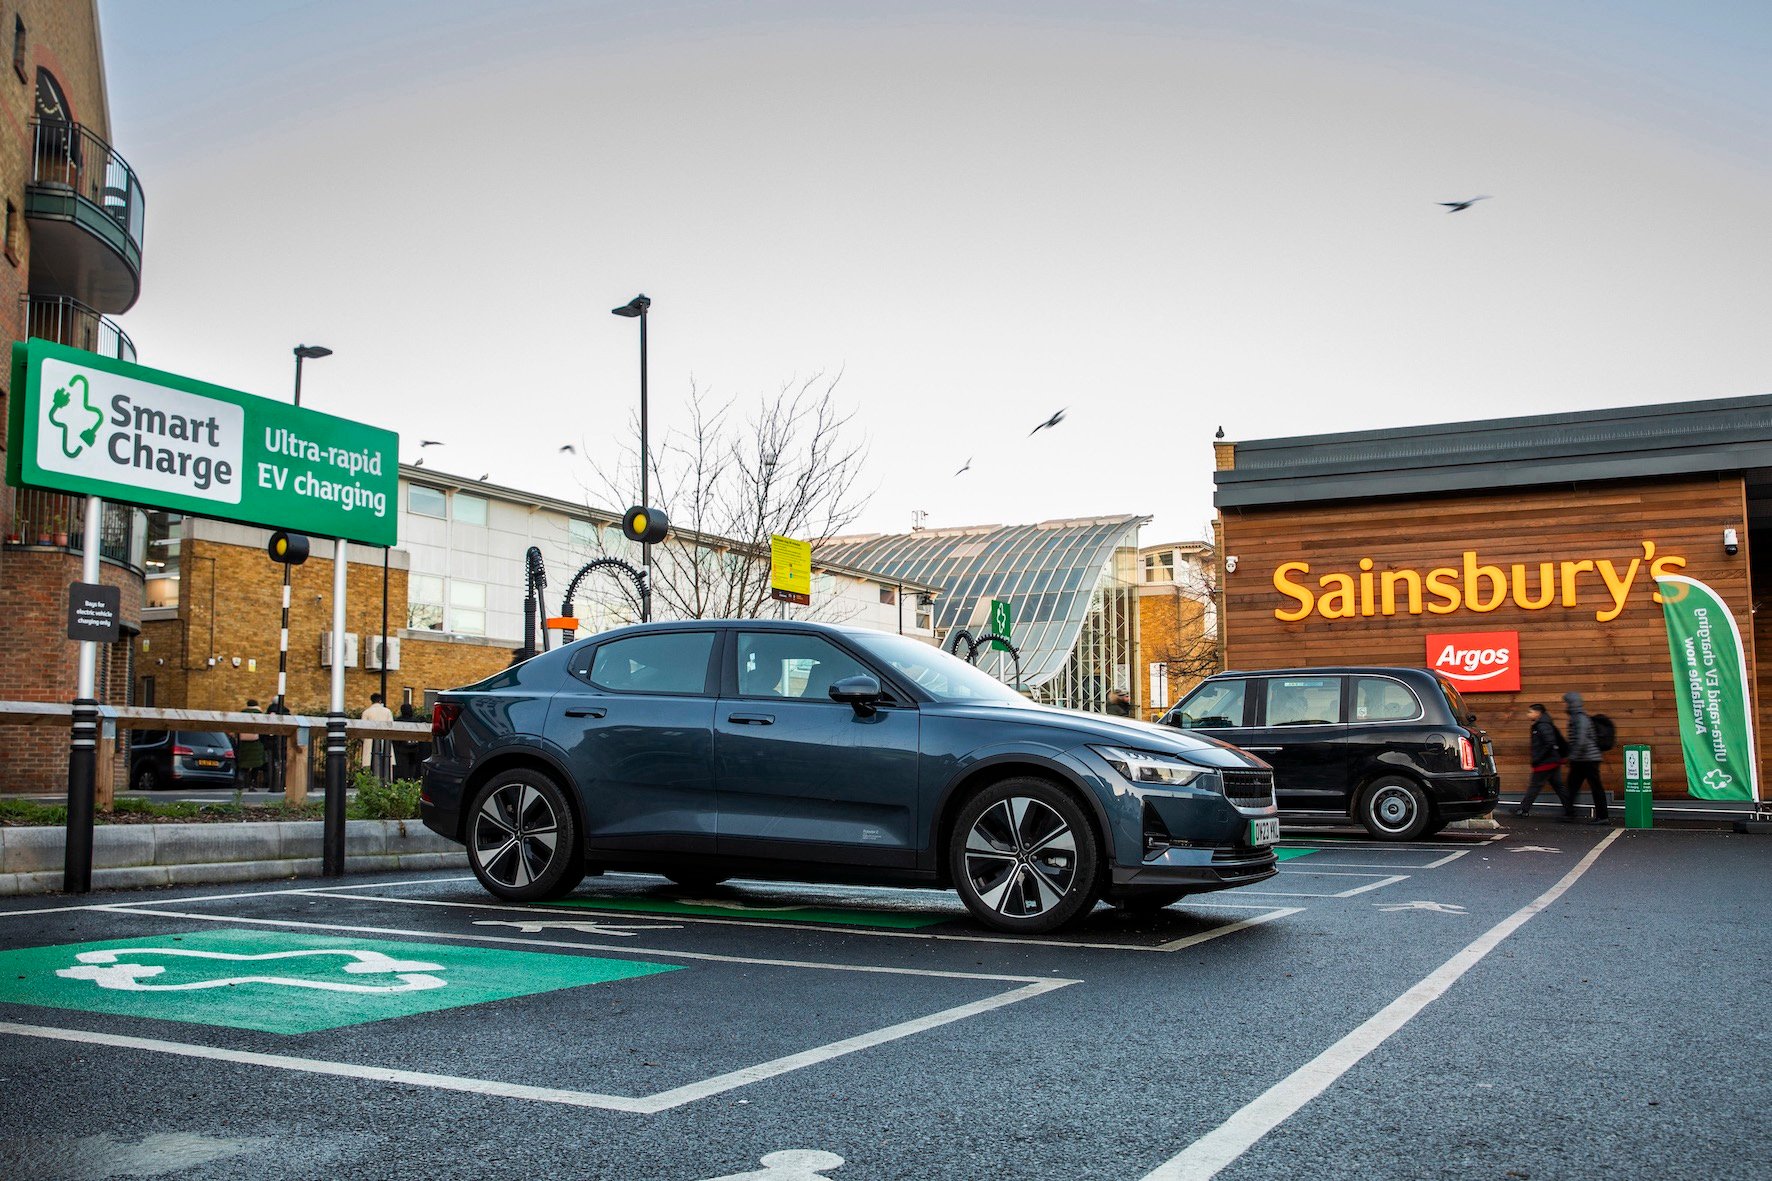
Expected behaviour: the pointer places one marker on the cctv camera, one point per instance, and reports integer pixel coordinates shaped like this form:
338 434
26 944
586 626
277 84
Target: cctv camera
1731 544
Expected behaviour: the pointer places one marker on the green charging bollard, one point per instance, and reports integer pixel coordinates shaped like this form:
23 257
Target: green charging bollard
1639 788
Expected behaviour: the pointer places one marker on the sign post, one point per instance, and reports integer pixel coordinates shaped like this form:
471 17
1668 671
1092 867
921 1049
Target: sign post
111 430
1639 788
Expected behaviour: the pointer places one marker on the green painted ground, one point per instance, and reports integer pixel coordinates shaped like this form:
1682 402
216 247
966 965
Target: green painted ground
894 919
1289 852
286 983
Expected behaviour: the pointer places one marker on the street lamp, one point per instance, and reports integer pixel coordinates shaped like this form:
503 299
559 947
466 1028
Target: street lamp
307 352
637 308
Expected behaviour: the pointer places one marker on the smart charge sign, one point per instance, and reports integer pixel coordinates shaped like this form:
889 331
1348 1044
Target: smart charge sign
86 424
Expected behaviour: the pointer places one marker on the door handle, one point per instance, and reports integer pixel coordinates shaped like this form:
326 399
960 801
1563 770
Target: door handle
752 719
588 712
1264 750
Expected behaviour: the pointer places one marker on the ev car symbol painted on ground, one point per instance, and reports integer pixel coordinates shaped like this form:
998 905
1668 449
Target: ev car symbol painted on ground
1432 907
793 1164
288 983
109 969
621 930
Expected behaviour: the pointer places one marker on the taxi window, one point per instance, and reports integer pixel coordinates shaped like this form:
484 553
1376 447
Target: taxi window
1380 699
1216 705
1303 701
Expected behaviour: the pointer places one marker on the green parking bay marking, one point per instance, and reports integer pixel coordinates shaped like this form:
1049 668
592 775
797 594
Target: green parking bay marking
1289 852
287 983
901 920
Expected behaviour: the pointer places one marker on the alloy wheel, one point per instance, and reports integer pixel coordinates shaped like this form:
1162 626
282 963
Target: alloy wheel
1021 857
516 834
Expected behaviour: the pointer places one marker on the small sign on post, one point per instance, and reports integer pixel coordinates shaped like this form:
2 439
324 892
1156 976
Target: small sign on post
1002 624
1639 788
790 570
95 612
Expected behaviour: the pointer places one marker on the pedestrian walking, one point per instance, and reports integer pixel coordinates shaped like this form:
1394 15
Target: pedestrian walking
1119 703
249 755
409 756
1584 759
1548 752
376 752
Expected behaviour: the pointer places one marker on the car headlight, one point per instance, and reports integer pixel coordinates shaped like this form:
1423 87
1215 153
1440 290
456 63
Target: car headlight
1146 766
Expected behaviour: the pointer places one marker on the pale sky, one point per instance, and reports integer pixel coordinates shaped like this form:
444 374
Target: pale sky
1163 216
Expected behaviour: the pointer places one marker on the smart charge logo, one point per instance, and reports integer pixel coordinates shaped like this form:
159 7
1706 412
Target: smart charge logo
104 427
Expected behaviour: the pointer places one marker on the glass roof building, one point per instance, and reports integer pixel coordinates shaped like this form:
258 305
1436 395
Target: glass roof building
1071 586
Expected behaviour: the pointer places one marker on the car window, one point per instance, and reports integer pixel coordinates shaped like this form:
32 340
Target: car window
203 738
1303 701
943 676
1455 699
786 664
658 662
1214 705
1380 699
149 737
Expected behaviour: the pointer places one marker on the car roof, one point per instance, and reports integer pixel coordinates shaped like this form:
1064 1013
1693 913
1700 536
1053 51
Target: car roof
747 624
1326 669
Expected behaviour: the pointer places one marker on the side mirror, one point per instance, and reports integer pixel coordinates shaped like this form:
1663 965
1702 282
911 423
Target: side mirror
862 693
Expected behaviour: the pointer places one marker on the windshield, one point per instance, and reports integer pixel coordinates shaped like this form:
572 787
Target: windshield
943 677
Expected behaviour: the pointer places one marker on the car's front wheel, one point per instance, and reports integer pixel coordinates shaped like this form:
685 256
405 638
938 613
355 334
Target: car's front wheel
1024 858
1395 809
523 839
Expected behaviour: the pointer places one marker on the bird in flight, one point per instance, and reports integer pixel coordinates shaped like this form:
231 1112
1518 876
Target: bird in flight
569 448
1050 422
430 442
1461 206
965 469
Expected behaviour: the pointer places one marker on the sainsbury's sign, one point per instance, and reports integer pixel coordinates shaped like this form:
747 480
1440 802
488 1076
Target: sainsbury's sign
1477 662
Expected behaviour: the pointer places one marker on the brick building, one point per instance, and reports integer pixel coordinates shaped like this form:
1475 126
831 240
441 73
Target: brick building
1177 619
72 257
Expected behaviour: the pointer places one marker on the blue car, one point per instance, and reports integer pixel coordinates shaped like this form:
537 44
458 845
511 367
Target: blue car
705 749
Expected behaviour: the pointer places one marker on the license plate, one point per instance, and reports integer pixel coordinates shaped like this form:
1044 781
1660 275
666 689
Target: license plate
1264 832
209 762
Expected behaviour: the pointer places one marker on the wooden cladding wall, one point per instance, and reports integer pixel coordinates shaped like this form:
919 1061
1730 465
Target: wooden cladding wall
1621 666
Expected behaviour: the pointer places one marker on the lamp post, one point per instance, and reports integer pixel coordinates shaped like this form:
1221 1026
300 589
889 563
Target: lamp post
303 352
637 308
306 352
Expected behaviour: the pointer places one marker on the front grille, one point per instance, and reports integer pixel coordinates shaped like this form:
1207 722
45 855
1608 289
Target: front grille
1250 789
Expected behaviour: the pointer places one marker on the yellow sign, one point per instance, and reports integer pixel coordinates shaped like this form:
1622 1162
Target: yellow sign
790 569
1470 586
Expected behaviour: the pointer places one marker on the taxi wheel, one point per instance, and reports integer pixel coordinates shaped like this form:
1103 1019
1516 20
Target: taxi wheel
523 839
1395 809
1024 857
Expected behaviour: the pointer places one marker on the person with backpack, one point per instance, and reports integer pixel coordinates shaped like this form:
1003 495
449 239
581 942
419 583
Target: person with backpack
1588 741
1549 749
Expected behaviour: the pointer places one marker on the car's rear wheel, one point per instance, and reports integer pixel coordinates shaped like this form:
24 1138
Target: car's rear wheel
1024 858
523 839
146 779
1147 901
1395 809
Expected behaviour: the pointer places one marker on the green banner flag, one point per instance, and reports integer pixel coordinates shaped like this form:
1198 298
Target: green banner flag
1710 682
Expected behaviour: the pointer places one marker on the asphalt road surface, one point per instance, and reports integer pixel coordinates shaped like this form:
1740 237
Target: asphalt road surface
1550 1002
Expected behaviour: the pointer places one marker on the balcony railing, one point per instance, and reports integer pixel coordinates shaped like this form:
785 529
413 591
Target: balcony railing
68 156
57 521
68 321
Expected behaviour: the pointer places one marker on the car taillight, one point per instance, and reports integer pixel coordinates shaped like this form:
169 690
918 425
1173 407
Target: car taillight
183 750
1467 755
443 717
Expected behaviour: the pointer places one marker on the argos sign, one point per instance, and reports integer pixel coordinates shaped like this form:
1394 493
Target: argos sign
1477 662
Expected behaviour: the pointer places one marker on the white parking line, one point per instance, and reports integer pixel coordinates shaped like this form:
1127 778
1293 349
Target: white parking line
1435 864
642 1105
1379 885
1205 1157
226 897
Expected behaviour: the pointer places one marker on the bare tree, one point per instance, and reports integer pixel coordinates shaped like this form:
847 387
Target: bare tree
728 480
1190 649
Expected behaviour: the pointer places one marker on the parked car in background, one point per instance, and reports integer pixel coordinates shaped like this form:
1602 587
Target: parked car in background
707 749
174 758
1395 749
